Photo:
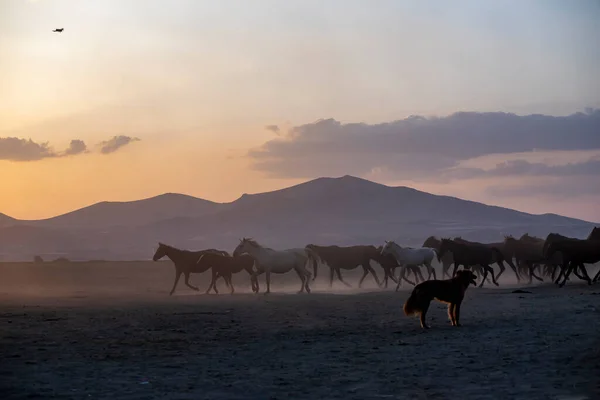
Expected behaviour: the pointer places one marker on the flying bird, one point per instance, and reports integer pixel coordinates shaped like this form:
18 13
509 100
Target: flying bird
58 30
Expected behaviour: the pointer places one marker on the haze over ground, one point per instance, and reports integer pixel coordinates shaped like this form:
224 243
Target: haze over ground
217 99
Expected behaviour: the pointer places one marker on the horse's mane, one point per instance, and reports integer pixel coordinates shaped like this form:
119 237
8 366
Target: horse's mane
251 241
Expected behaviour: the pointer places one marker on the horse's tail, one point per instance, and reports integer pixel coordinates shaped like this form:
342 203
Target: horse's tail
412 305
313 258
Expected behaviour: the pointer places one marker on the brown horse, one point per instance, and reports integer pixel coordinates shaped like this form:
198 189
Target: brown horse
576 253
527 252
225 266
446 260
470 254
564 266
185 261
506 256
338 258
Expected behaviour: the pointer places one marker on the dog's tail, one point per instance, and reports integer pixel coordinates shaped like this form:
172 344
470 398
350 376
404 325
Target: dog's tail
412 306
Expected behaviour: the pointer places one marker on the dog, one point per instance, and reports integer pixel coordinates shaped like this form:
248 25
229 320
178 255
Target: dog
451 291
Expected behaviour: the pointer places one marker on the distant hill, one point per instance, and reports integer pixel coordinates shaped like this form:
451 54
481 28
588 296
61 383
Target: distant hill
343 211
130 213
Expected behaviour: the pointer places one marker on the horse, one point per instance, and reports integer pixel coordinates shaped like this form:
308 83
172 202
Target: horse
505 254
276 261
576 253
409 256
471 254
225 266
389 264
338 258
185 262
527 252
564 266
446 261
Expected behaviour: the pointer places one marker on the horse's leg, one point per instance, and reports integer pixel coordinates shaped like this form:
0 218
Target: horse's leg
268 278
372 271
418 271
230 283
456 265
486 269
365 273
315 266
331 271
510 263
494 278
213 281
177 276
445 267
431 270
597 277
585 277
339 275
187 282
532 273
302 277
502 269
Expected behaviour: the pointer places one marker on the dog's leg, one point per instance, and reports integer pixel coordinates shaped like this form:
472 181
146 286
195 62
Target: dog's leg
457 313
424 314
451 313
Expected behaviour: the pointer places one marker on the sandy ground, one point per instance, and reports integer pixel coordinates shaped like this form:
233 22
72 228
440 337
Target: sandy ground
110 331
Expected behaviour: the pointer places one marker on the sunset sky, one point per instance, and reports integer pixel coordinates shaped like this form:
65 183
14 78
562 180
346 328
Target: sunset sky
217 98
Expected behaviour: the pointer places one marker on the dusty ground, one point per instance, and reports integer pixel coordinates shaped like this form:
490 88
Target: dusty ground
110 331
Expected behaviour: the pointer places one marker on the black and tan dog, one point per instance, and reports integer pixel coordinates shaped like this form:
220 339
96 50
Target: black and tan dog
451 291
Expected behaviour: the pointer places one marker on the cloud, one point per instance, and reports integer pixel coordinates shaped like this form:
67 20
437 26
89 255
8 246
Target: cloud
114 144
419 147
16 149
556 188
524 168
273 128
76 147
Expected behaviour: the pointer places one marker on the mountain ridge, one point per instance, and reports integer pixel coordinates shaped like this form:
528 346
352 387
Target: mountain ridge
343 211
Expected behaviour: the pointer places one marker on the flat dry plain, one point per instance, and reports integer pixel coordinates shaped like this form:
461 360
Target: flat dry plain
110 331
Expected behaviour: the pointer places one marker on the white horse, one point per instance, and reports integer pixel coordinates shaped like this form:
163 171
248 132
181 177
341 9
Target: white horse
410 256
277 261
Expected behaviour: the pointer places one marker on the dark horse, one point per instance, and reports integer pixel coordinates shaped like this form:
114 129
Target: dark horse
225 266
446 260
576 253
505 255
555 238
350 257
185 261
471 254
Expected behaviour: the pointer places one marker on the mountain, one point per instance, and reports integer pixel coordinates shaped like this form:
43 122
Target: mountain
129 213
342 211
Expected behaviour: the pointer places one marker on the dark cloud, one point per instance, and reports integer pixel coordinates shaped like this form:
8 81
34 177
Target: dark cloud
76 147
419 146
273 128
114 144
15 149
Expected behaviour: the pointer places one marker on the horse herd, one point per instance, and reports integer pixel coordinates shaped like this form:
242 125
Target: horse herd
555 257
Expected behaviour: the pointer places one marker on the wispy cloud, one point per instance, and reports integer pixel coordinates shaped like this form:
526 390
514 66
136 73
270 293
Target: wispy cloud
273 128
115 143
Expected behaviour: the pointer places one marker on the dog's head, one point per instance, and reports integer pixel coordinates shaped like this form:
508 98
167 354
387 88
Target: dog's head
467 277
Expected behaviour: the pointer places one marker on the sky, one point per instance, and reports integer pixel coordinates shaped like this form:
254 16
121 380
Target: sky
490 101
